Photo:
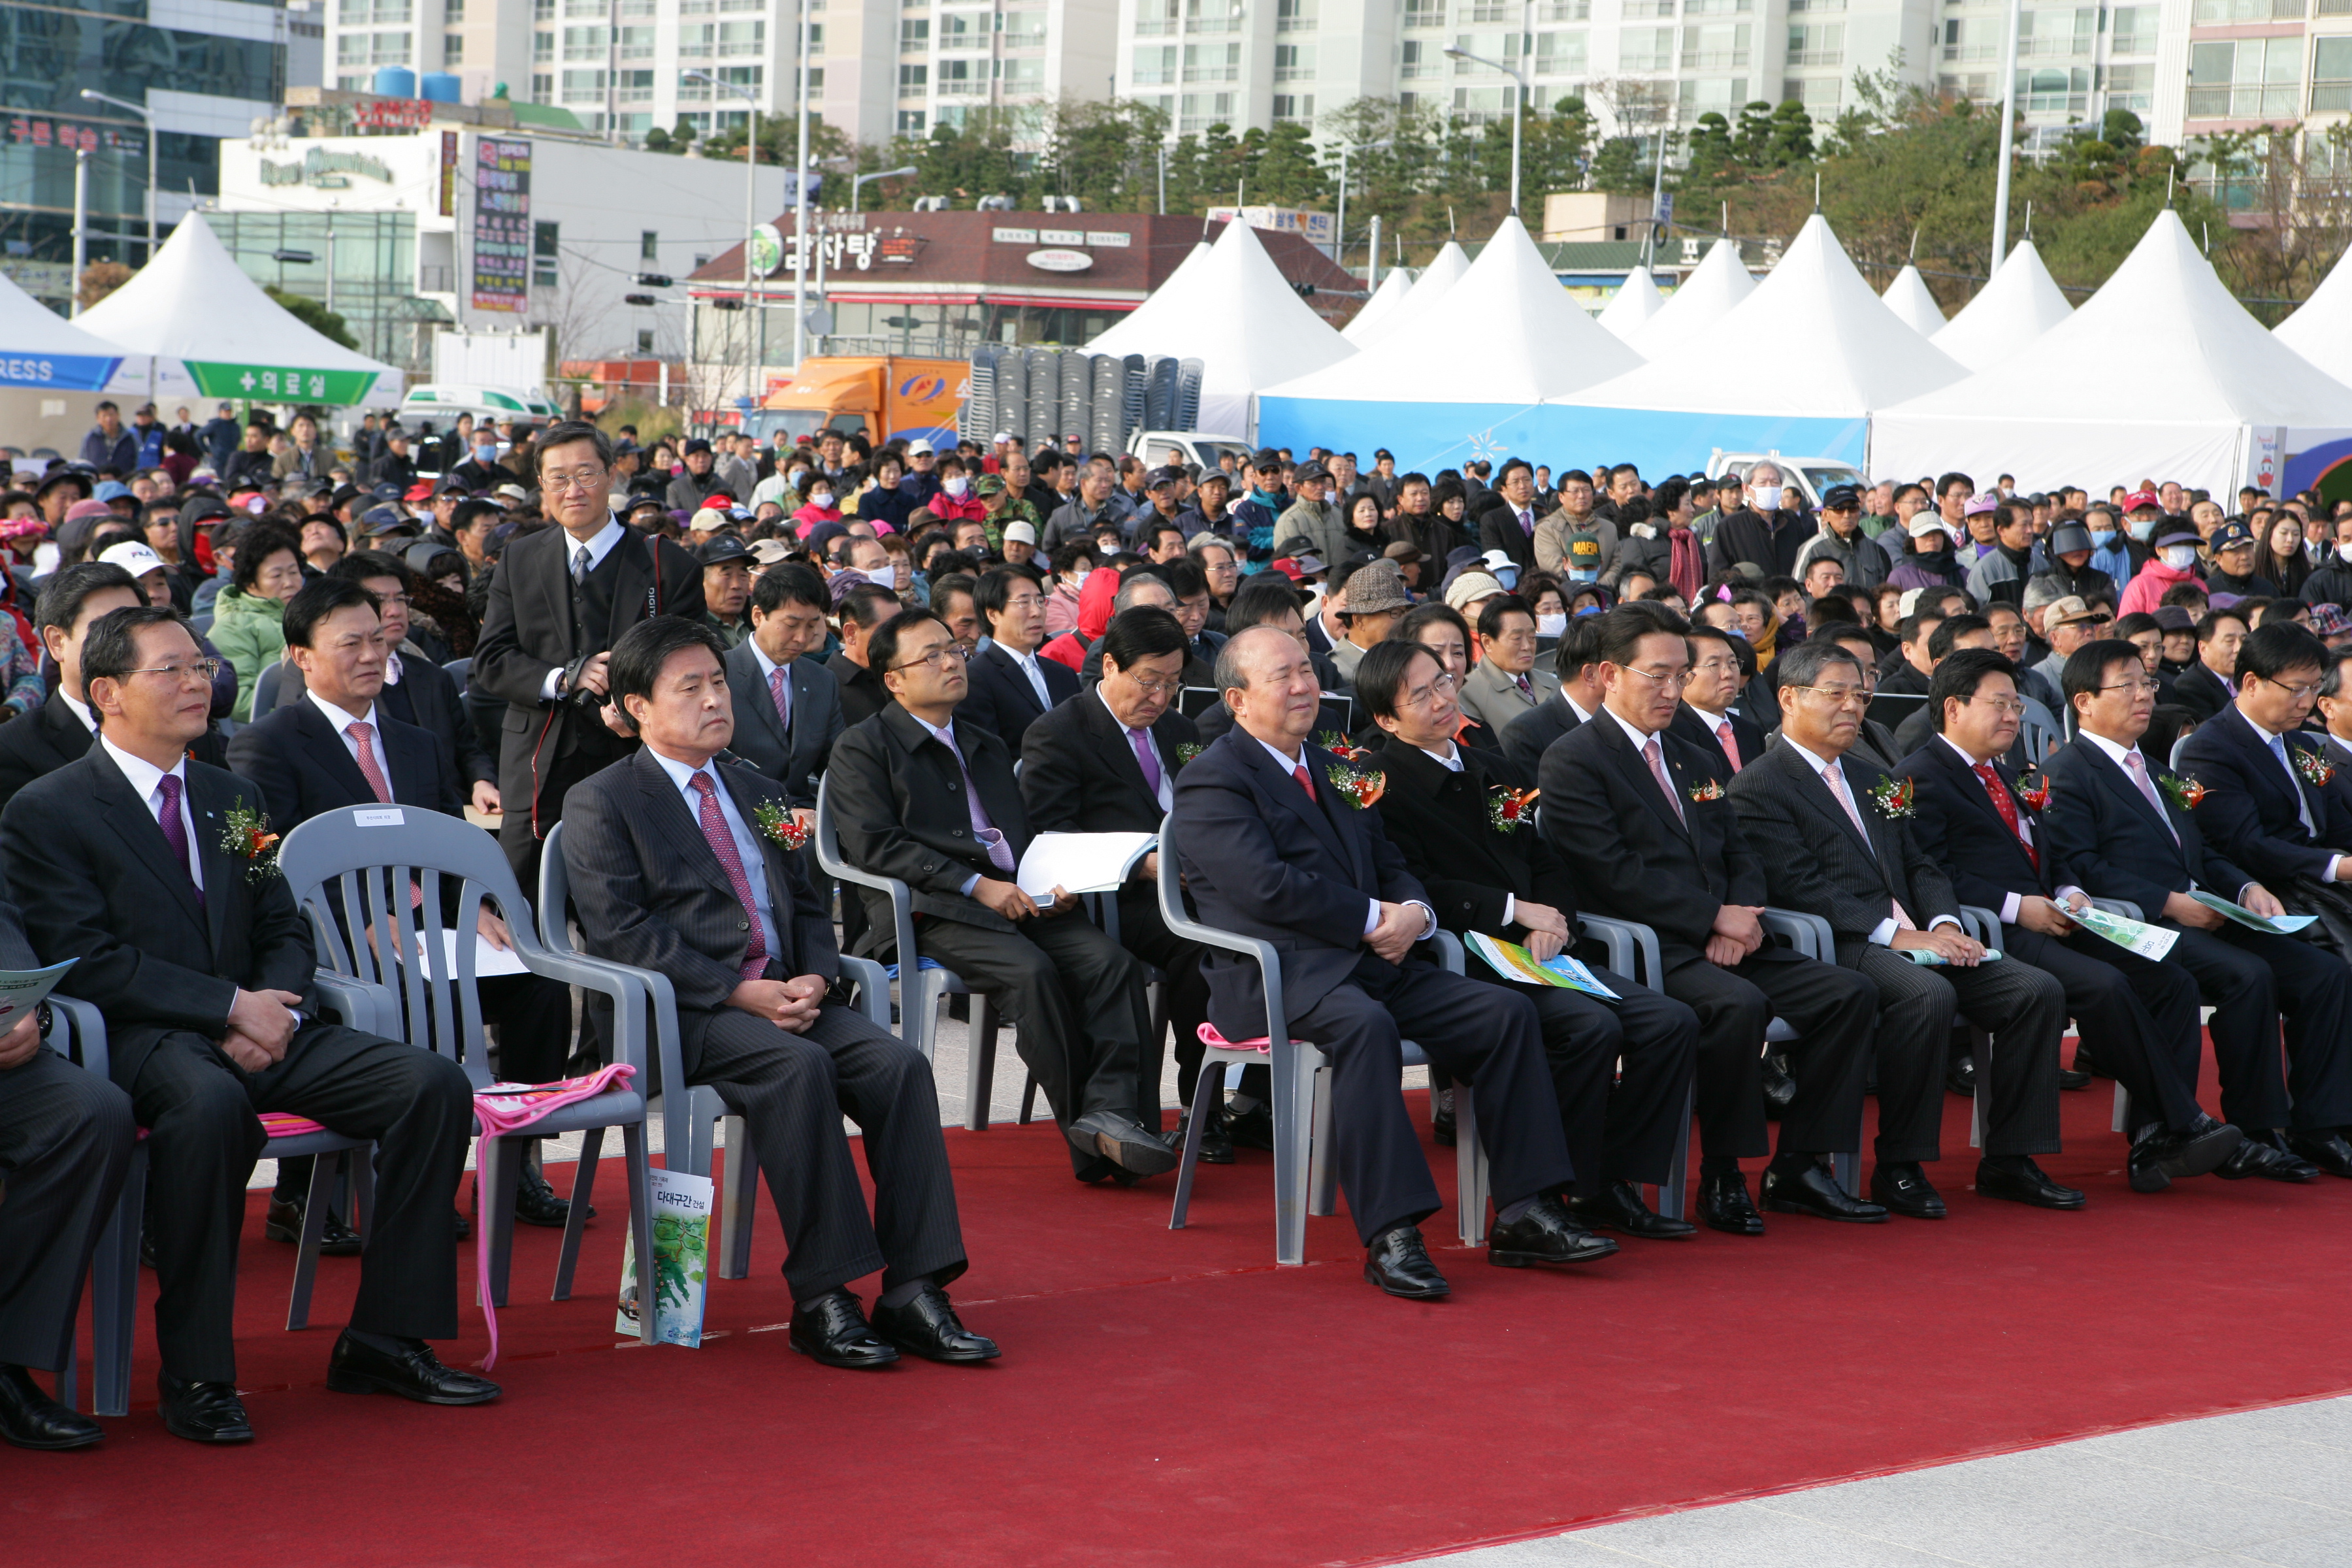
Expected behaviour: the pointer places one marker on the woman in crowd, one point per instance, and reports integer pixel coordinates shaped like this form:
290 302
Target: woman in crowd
2281 558
248 618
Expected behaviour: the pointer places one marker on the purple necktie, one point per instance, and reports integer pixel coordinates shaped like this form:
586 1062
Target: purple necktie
999 854
175 829
731 860
1141 741
780 689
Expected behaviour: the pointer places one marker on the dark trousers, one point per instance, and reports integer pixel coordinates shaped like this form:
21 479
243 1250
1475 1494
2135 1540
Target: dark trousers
65 1142
2249 978
203 1137
1484 1034
2138 1016
1833 1011
1648 1044
2023 1008
791 1091
1074 997
1144 933
556 777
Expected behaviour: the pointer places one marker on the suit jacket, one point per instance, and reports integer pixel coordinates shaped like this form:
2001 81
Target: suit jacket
2250 808
1630 856
793 760
1440 821
860 692
98 883
1495 699
1529 736
1845 878
899 807
434 703
1499 530
297 759
1079 774
1956 822
49 737
1261 859
650 892
2109 841
1002 699
2202 692
1699 729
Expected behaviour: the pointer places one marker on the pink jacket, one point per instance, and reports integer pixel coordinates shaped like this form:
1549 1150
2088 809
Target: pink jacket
2142 593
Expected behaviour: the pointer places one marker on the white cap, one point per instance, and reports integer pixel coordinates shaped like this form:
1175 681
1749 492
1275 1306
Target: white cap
132 557
918 449
1498 559
1005 436
1020 534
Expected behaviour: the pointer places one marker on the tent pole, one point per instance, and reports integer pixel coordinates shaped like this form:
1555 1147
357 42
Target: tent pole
2008 143
82 223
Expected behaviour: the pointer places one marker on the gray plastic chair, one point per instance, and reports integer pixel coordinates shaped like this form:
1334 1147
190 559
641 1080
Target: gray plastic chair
78 1031
687 1119
265 689
1810 936
2130 911
1983 925
459 669
1632 951
351 870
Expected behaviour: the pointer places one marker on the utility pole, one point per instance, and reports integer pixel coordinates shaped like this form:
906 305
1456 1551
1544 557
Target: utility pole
800 205
82 223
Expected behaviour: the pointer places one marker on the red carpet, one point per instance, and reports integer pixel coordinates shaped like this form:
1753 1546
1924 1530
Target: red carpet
1169 1397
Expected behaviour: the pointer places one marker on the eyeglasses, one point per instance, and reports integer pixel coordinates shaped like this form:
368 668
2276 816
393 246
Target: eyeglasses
585 479
2003 706
1445 685
1154 686
203 669
1672 679
1839 696
943 656
2300 693
2134 686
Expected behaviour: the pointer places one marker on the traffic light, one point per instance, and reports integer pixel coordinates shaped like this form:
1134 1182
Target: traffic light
638 300
653 279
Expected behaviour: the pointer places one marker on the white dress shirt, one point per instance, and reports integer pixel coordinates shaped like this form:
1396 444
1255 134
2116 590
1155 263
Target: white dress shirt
746 843
1290 764
598 547
2010 902
1167 782
81 710
147 783
1581 716
341 722
1883 933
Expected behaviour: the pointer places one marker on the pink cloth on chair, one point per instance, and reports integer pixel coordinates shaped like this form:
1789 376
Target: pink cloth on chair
1263 1044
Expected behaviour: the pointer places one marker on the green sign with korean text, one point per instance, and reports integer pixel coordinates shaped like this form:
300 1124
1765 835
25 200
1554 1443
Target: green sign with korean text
280 384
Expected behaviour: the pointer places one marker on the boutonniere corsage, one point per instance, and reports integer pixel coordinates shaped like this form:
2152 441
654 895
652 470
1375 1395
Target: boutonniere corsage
1186 751
778 826
1705 790
1509 809
2186 792
2317 770
1362 787
1894 797
1339 746
2033 789
248 839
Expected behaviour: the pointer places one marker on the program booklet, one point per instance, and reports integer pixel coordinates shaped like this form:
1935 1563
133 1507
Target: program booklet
2131 935
1081 862
2277 925
681 1260
1512 962
22 990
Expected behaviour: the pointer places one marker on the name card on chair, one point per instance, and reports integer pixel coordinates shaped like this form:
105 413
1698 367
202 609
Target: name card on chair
390 816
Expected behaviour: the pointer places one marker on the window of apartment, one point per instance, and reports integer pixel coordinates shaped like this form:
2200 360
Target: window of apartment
743 38
1212 62
1293 106
913 81
1491 46
543 87
1212 15
650 245
2331 73
690 85
645 341
1294 16
634 86
1479 105
1155 64
1559 54
585 43
2241 79
959 33
699 38
1722 7
1564 11
372 49
637 7
2064 34
1718 95
2136 30
373 12
1645 48
453 49
1024 29
1716 46
1493 11
1808 5
753 78
546 242
453 11
910 123
914 34
1819 94
2056 90
2210 12
816 33
2132 88
1647 10
1293 62
583 87
1022 76
542 10
1196 112
963 76
1424 13
1156 18
815 80
637 43
1816 43
543 47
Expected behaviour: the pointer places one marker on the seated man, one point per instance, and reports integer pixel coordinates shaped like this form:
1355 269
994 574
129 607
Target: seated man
1271 848
1107 763
1647 834
72 600
1709 718
926 796
2208 686
203 963
2120 830
1489 873
65 1142
2139 1015
1885 898
1010 687
675 869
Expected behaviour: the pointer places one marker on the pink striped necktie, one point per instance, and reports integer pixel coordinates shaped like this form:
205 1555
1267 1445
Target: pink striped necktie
731 860
1658 757
369 770
780 687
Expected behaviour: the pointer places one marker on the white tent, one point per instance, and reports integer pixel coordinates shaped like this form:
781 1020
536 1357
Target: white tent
1445 383
1385 299
1429 290
193 310
39 348
2196 391
2020 304
1234 312
1908 297
2321 328
1636 300
1708 293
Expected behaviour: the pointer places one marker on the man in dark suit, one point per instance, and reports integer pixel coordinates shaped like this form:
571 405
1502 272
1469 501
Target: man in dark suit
676 867
1107 763
926 796
1648 836
1707 718
126 863
559 601
787 706
1010 686
2121 829
65 1137
1886 899
1576 664
57 733
1508 523
1457 822
863 607
1271 848
2208 687
339 745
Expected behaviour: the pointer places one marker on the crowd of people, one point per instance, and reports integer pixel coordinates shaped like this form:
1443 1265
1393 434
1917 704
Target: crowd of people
1372 706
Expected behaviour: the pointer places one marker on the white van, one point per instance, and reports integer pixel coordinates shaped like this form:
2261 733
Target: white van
1809 476
441 402
1190 447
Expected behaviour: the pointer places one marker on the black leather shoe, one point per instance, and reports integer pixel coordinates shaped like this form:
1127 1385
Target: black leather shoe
1903 1189
1960 1075
2026 1186
464 1228
2266 1154
1779 1088
536 1202
413 1371
2069 1078
2162 1153
1724 1205
31 1419
1398 1262
1545 1234
831 1330
284 1222
1441 1120
1216 1145
1619 1207
1124 1142
1251 1129
929 1327
1810 1189
2085 1062
202 1411
2328 1150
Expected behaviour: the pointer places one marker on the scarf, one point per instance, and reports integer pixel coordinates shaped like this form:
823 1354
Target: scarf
1764 642
1686 567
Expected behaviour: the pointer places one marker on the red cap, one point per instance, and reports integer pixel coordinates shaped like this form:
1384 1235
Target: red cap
2140 499
1289 569
421 491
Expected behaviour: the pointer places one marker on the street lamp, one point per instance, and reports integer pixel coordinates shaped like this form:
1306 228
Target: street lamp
1518 100
751 207
147 115
858 183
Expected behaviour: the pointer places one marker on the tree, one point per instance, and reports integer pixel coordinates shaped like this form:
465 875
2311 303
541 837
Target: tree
677 141
98 280
1103 153
327 323
1286 170
1713 160
1792 139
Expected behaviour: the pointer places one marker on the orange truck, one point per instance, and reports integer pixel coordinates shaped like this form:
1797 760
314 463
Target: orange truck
885 396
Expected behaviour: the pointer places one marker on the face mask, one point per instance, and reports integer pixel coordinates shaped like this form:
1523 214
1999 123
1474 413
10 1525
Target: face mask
2343 553
1078 578
2101 538
2179 557
1766 497
1509 576
820 497
956 486
486 450
2141 528
1550 626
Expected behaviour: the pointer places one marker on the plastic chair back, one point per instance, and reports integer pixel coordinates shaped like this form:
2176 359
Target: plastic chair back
459 669
264 690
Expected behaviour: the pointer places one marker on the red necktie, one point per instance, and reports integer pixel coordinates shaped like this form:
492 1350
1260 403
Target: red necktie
360 734
1306 781
1730 744
2008 809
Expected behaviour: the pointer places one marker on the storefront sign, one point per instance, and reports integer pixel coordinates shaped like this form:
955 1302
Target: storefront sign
501 225
1059 260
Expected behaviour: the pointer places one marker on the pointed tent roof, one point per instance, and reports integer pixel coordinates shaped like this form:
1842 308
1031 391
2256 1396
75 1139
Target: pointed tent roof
66 356
1837 350
1708 293
1165 312
1436 280
2020 304
1533 341
1908 297
1635 302
1385 299
2321 328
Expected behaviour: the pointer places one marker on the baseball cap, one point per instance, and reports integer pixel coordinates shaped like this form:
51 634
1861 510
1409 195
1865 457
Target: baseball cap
697 444
1266 458
2069 537
769 552
721 550
1004 437
2142 500
511 493
709 520
2174 617
1159 477
1020 534
1304 563
2177 531
1583 552
1982 504
132 557
385 519
1923 523
82 508
989 484
2232 536
1314 473
1841 498
112 490
918 449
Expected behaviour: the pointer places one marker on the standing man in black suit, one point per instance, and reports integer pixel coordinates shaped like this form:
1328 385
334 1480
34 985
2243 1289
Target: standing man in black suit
1885 899
929 797
1271 848
72 600
1509 522
2121 829
2139 1015
675 867
203 963
1107 763
787 706
1010 684
560 600
1648 836
1707 718
1456 822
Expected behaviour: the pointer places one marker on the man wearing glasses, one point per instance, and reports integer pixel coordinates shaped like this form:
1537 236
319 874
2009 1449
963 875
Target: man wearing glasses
561 599
928 797
1650 835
